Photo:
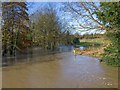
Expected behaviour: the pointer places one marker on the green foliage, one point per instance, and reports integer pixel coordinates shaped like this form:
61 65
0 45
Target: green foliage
91 36
109 14
67 39
111 55
90 44
29 36
76 41
111 19
112 52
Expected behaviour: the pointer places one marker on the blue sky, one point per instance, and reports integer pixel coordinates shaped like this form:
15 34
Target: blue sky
64 16
34 6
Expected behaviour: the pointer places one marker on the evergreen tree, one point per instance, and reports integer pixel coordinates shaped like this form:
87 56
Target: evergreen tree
15 26
110 17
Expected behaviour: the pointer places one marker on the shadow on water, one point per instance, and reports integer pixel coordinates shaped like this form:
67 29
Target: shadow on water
31 53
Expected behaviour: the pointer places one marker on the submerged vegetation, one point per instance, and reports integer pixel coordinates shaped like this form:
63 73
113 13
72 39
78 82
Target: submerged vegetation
48 29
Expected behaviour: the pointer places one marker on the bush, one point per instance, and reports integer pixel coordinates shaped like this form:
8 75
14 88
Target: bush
112 52
76 41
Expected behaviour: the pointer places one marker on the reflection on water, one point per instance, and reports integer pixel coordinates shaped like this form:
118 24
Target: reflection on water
82 48
74 58
61 71
32 53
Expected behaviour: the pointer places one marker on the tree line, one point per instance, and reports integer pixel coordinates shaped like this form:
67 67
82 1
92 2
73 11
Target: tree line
20 32
91 36
47 31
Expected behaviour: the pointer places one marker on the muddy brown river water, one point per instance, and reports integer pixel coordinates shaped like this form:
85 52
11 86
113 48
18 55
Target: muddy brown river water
61 70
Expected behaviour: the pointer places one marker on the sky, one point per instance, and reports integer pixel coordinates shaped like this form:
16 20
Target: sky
33 7
60 0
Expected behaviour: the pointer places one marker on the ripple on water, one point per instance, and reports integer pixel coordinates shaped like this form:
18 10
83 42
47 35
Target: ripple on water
85 72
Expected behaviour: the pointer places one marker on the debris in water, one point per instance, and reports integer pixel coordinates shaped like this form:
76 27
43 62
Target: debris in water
104 78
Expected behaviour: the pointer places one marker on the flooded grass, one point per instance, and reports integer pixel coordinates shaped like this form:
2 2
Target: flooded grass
58 70
31 54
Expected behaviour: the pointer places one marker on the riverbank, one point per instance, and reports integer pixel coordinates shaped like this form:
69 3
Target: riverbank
95 47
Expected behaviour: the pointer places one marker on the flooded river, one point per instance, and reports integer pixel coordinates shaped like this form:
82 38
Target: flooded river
61 70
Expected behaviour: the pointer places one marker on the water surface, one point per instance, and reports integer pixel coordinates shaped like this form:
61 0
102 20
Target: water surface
61 70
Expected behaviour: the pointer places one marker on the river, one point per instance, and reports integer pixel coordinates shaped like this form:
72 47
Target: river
60 70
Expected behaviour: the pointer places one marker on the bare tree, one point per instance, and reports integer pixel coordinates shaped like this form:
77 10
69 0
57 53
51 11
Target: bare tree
84 13
47 28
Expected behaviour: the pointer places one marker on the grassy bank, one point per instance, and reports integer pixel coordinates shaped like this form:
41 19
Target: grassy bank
95 47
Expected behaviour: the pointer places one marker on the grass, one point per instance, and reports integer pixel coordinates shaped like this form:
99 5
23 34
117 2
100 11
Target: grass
95 47
90 44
